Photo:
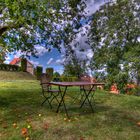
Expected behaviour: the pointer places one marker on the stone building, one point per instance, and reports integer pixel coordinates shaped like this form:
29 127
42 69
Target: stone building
30 66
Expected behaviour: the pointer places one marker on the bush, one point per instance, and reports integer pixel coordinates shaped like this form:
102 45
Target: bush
132 89
8 67
137 91
24 64
56 74
49 72
121 81
39 71
65 79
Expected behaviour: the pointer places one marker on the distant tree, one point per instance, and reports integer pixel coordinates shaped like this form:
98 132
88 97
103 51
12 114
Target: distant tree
24 64
73 66
39 71
49 72
114 37
56 74
2 56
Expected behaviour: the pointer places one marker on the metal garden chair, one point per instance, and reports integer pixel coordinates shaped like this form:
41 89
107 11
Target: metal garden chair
48 93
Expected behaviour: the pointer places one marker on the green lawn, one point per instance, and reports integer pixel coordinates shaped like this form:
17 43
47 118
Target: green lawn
115 116
10 75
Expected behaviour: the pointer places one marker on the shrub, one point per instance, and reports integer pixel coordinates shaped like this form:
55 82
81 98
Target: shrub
39 71
49 72
8 67
56 74
65 79
24 64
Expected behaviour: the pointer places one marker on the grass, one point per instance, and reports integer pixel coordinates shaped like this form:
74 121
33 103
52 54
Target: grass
115 116
7 75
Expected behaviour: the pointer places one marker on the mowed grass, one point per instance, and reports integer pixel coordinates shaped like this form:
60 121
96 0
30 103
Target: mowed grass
9 75
115 116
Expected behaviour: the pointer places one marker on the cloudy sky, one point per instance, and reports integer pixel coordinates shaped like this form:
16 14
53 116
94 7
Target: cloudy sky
54 58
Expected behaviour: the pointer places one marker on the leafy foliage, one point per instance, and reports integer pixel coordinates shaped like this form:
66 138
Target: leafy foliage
24 24
24 64
2 56
49 72
39 71
114 36
56 74
73 66
7 67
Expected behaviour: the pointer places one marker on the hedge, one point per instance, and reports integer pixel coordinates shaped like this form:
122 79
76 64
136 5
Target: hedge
49 72
65 79
39 71
24 64
8 67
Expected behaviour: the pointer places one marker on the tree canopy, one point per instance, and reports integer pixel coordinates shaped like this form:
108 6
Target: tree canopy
114 36
26 23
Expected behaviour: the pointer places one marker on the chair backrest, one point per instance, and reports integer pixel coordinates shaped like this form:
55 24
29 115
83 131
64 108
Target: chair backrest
44 80
88 79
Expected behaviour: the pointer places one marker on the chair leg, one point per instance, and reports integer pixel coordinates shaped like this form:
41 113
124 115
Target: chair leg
92 99
79 96
87 98
54 97
82 96
46 99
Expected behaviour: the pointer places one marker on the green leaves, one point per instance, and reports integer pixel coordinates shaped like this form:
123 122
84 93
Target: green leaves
114 37
25 23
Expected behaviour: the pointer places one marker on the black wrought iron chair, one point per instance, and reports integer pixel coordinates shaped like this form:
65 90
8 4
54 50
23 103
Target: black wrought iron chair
48 93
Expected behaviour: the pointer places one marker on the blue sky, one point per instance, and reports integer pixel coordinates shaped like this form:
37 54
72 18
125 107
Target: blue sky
50 59
45 59
54 58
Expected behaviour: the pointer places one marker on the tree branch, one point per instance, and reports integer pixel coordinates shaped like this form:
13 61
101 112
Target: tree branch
8 27
3 29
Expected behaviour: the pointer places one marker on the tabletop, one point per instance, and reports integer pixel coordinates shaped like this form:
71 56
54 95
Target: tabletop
81 83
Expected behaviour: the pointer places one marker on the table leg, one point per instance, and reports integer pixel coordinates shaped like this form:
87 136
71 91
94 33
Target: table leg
86 98
62 101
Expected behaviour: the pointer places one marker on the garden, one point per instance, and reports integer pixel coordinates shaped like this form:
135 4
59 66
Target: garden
86 51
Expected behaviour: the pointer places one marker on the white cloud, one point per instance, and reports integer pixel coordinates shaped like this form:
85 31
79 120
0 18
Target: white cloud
89 54
35 63
60 61
93 6
60 71
82 49
50 61
138 39
40 50
7 61
17 54
79 44
8 58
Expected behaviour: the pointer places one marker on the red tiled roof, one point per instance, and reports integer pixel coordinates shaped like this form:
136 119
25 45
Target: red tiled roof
15 61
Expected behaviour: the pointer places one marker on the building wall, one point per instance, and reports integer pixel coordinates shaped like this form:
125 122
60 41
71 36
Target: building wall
17 61
30 68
